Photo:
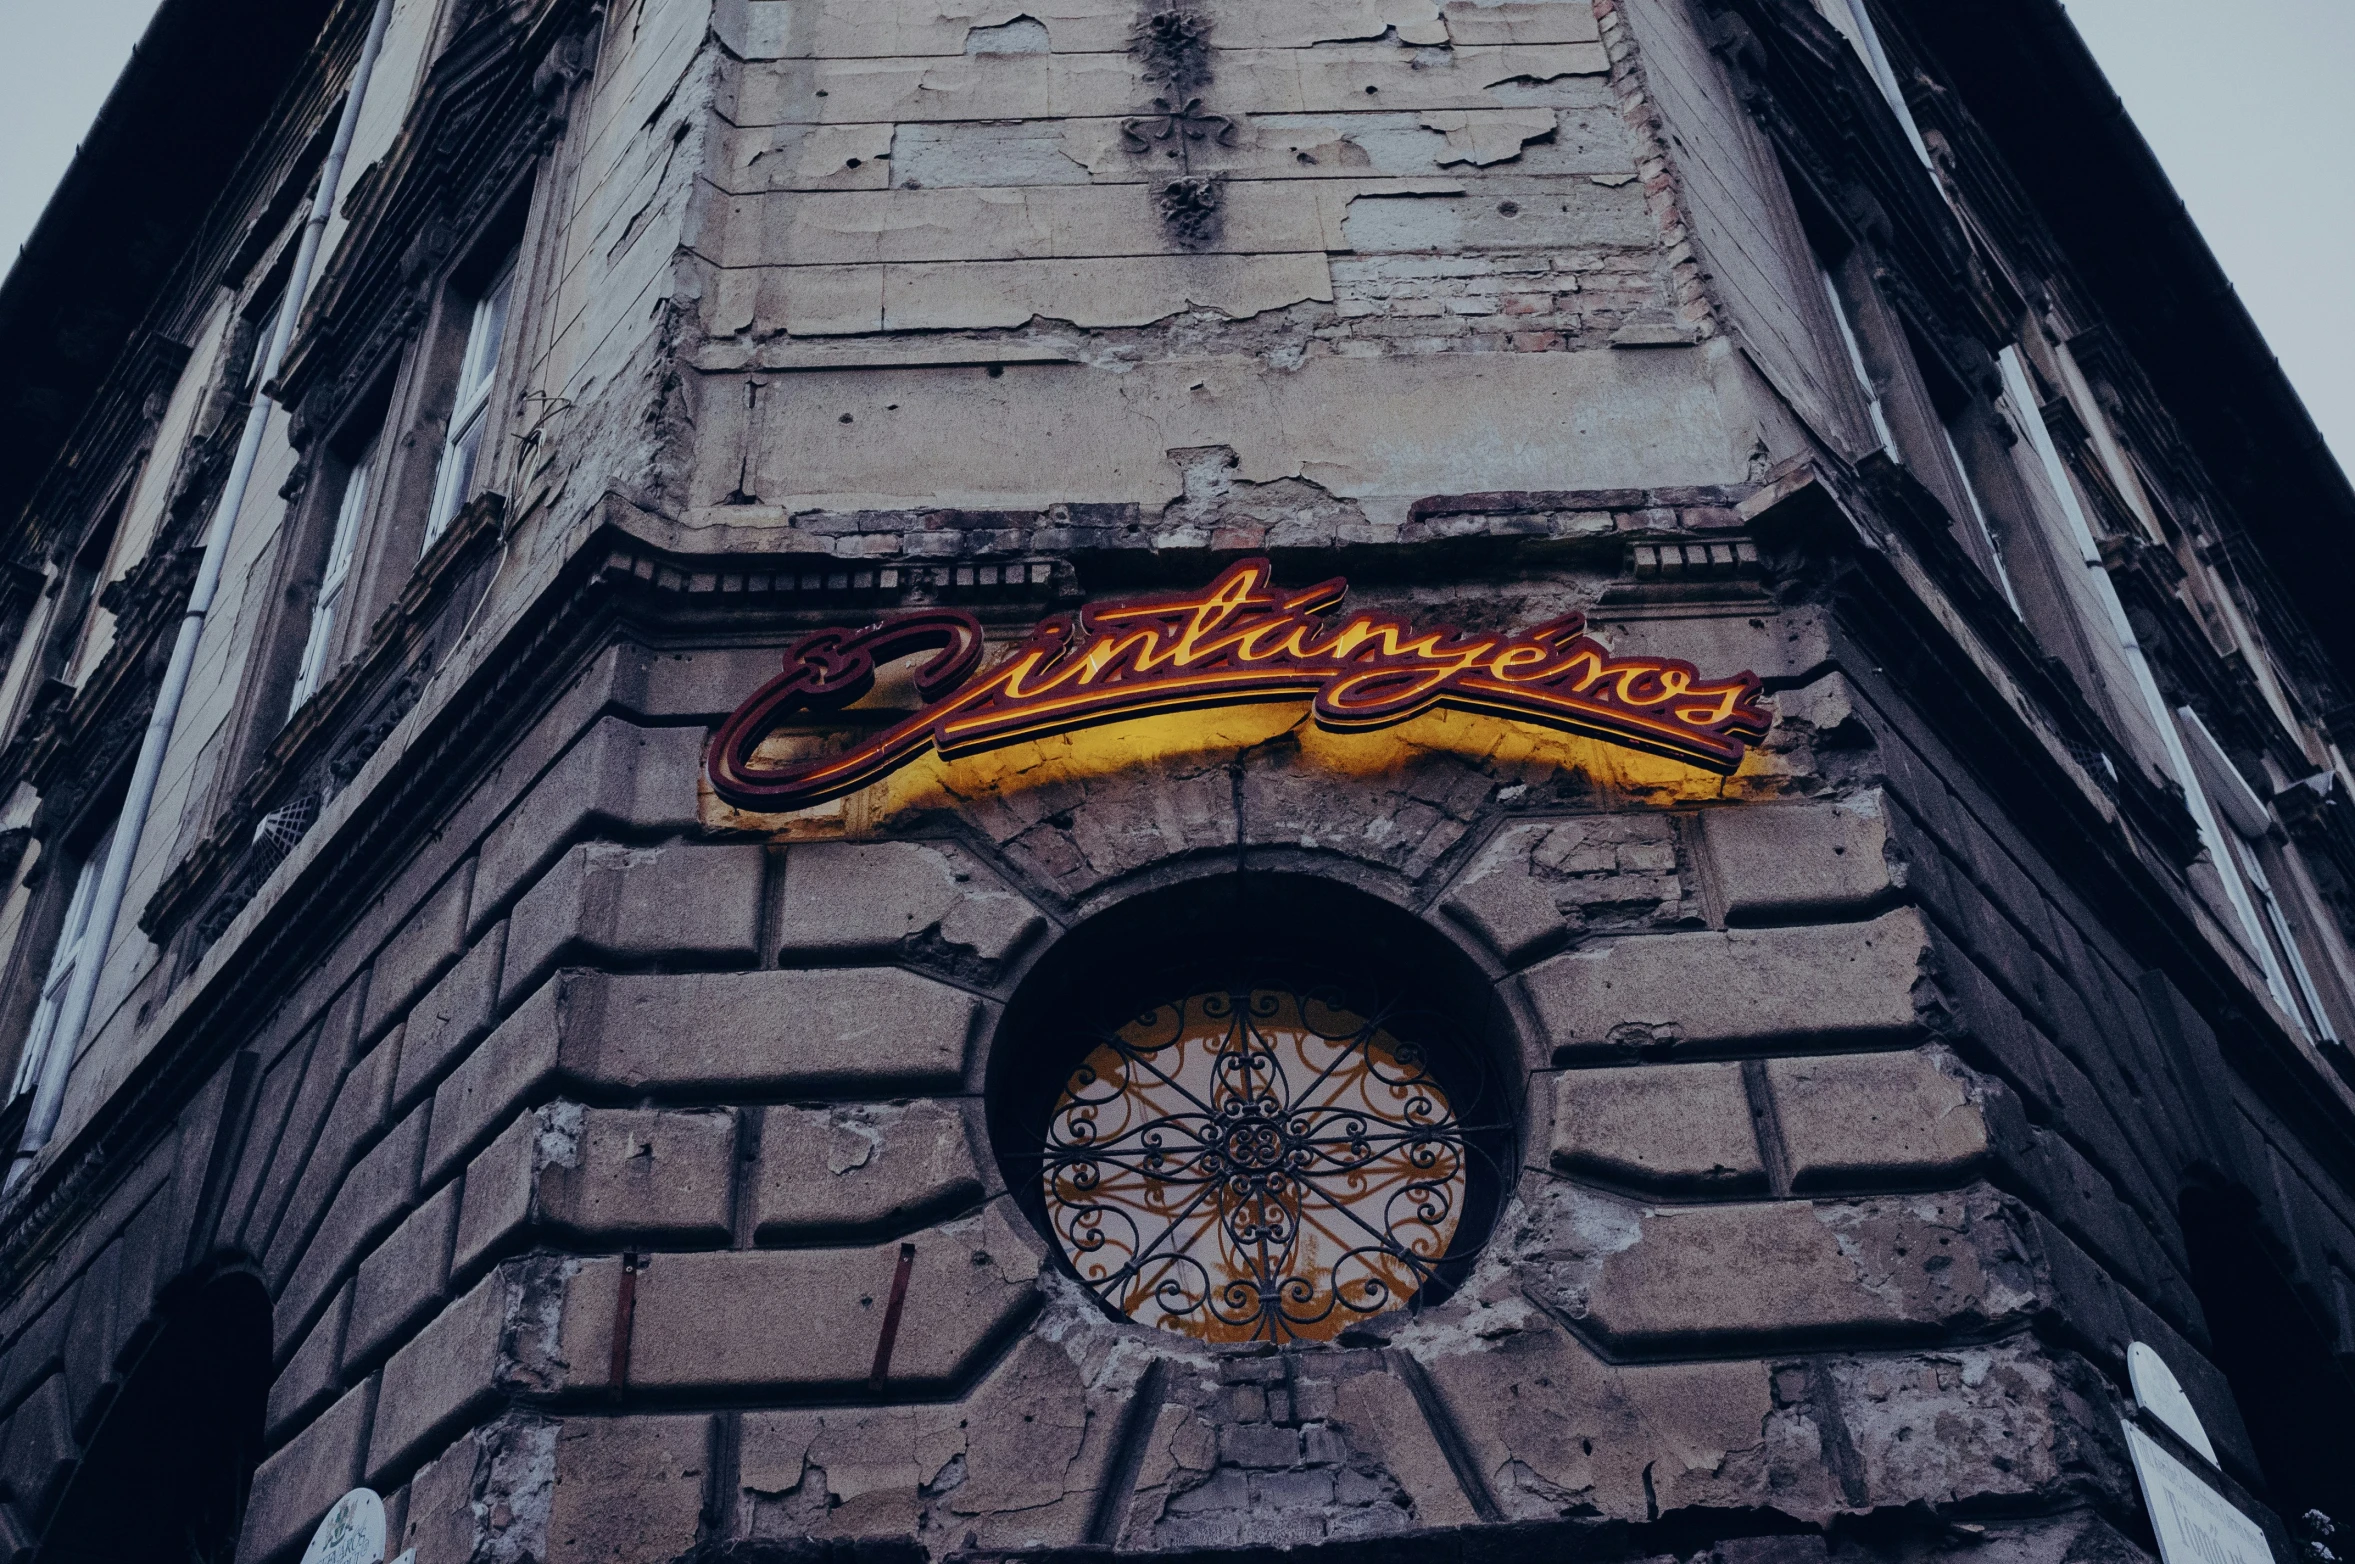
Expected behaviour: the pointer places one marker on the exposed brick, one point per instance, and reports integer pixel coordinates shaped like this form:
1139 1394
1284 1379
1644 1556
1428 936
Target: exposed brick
1857 1119
1846 981
843 898
689 903
1674 1126
1258 1444
853 1170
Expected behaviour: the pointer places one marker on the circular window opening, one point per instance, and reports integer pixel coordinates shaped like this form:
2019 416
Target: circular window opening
1258 1109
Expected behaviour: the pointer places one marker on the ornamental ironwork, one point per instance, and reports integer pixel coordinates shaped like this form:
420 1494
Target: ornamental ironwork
1256 1164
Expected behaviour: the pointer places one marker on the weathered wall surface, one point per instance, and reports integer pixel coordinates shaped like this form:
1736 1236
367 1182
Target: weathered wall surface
580 1169
614 203
1783 1241
1367 253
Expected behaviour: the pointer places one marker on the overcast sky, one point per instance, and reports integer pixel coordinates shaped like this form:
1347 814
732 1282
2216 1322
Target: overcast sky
2250 105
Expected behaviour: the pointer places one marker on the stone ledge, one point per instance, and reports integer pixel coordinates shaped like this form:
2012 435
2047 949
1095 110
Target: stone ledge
1665 1126
1854 1120
800 1319
1676 1281
860 1170
877 899
875 1030
1794 861
691 903
1835 983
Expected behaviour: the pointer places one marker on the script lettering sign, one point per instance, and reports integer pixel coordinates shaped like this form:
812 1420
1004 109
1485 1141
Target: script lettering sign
1242 639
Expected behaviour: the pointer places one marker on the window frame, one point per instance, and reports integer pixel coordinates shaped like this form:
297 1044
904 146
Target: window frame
460 468
56 943
328 626
422 407
1901 384
82 574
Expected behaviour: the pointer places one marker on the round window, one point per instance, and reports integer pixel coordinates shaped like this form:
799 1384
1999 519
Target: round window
1254 1165
1269 1159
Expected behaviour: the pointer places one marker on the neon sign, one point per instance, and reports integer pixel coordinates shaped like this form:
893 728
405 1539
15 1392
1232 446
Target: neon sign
1242 639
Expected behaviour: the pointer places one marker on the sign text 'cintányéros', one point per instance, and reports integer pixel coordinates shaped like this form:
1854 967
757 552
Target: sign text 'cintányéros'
1240 640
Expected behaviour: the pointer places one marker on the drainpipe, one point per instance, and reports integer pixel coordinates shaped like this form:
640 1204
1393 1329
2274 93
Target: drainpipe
74 1012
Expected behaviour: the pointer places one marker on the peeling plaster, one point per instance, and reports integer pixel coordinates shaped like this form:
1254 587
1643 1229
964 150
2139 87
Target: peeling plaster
1495 136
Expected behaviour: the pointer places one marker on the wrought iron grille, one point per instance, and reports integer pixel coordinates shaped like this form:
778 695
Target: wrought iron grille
1257 1165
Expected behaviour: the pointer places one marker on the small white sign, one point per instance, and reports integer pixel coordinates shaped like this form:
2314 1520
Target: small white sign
352 1533
2158 1392
2195 1523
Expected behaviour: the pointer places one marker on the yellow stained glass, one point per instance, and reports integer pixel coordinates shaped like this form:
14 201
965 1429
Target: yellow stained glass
1254 1166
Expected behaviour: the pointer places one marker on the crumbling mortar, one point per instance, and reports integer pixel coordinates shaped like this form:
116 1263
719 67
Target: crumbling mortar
1643 121
514 1489
531 1357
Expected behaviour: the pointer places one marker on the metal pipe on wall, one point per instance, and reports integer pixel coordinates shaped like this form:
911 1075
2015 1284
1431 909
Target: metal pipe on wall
74 1011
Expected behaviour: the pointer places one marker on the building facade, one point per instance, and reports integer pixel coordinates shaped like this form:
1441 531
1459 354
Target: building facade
1422 778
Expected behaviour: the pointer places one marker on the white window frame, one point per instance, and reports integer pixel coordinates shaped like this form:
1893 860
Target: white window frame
1962 478
1857 366
326 610
2247 820
1856 23
470 410
73 939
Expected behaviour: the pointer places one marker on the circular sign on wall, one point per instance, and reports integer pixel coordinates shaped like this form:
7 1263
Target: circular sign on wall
352 1533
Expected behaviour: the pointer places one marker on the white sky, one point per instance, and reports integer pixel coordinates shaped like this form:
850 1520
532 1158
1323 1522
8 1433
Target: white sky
2250 106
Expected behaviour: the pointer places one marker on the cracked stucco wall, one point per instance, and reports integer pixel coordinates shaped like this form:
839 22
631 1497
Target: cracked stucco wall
940 265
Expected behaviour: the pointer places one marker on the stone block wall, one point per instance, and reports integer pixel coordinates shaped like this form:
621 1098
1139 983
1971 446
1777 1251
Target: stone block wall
621 1176
583 1176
